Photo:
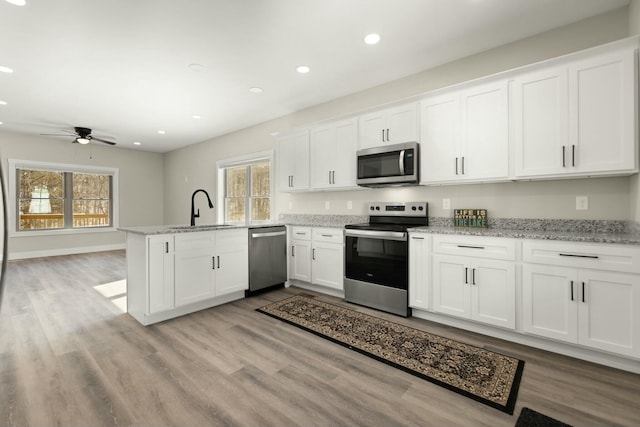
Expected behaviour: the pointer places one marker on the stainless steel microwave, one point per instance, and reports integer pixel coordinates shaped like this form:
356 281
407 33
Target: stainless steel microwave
389 165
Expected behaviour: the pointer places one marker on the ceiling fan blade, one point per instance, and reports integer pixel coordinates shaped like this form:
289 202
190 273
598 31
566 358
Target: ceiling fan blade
57 134
93 138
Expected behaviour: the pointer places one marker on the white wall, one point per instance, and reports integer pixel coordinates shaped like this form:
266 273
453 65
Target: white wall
141 194
609 197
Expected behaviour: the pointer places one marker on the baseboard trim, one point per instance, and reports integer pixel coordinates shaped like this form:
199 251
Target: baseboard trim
65 251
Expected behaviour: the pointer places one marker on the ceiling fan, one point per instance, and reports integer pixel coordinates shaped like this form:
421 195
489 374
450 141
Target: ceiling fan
82 136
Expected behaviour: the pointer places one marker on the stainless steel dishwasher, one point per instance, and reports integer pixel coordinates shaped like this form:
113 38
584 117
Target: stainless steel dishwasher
267 257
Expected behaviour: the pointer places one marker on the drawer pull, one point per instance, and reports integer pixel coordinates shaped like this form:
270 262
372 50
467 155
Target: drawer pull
581 256
571 285
417 238
471 247
301 233
583 299
327 235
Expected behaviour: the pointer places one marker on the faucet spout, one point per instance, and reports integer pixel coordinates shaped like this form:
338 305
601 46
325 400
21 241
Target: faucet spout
196 213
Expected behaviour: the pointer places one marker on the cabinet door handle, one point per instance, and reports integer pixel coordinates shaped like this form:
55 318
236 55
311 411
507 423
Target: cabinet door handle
471 247
580 256
292 182
571 286
166 247
563 160
583 298
213 262
218 261
293 250
462 165
387 134
466 275
456 166
382 135
573 155
313 254
473 276
333 176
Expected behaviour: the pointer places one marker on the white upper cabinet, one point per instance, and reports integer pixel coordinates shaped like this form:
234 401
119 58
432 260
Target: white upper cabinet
577 119
333 155
293 161
394 125
465 135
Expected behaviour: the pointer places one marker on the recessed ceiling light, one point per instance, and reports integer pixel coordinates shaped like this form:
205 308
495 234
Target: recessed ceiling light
1 123
372 38
3 102
303 69
4 69
195 116
256 90
274 133
17 2
137 143
161 132
196 67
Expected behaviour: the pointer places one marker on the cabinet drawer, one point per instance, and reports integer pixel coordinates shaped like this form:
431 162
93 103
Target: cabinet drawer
301 233
193 241
328 235
474 246
622 258
236 238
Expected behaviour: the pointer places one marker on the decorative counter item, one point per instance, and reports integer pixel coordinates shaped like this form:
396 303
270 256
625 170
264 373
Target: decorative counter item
471 218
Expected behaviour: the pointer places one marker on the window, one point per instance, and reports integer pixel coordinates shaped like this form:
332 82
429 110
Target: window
52 197
246 190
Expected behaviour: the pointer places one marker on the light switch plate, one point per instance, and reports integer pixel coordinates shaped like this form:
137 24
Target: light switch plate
582 203
446 203
349 204
327 205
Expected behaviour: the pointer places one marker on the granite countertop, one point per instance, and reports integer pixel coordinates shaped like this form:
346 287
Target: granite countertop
149 230
625 238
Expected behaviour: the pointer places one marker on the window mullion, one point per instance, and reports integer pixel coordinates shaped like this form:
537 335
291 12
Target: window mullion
68 200
247 208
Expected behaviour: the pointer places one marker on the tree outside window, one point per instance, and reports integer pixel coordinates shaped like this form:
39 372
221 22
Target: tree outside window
248 192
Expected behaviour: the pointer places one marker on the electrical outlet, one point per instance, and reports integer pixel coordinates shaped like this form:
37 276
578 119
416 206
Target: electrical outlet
582 203
349 205
327 205
446 203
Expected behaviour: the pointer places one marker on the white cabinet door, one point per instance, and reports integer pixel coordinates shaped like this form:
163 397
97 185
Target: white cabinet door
327 268
602 127
393 125
232 261
549 296
402 124
451 285
333 155
300 260
493 299
293 161
541 122
419 269
161 274
344 160
194 267
608 307
440 138
485 132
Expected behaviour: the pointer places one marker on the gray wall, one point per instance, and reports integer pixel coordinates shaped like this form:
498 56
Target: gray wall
141 195
609 198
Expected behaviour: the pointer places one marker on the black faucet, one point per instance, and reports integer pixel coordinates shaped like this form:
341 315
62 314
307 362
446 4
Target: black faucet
196 214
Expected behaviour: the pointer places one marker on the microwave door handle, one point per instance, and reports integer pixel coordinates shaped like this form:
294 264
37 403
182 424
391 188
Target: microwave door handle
401 162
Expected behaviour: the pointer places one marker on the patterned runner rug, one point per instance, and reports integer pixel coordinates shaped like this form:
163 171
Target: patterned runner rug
482 375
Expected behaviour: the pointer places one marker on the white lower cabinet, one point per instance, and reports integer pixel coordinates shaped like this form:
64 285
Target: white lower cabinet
316 255
593 307
184 272
419 270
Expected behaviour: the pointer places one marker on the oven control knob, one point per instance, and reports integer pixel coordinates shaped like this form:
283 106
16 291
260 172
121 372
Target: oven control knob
413 208
371 208
421 208
377 208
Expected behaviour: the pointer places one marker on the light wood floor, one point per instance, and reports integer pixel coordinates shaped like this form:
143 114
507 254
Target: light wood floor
70 357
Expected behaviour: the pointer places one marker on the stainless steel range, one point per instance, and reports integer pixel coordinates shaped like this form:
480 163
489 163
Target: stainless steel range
377 256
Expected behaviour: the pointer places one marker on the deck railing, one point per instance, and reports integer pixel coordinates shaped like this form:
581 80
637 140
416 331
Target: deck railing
42 221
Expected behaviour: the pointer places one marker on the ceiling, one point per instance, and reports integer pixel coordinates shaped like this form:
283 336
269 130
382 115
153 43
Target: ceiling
126 68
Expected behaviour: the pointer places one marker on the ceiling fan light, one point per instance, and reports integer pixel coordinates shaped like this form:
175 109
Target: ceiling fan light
82 141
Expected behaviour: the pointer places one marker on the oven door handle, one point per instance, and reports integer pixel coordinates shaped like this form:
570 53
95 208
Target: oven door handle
371 234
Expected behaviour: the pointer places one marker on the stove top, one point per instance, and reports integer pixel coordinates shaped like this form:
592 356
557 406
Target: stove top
387 216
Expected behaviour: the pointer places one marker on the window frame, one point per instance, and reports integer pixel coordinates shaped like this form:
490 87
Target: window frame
14 203
246 160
